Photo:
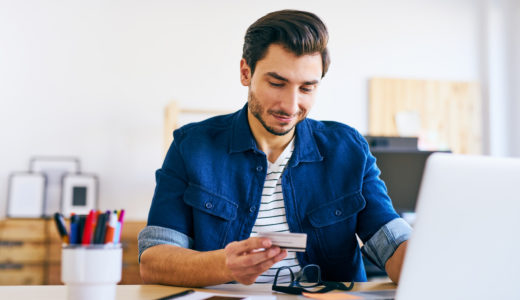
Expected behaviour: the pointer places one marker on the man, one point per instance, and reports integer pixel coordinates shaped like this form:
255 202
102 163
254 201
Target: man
269 168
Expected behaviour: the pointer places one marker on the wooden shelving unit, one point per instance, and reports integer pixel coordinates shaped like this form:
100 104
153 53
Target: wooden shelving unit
30 252
450 112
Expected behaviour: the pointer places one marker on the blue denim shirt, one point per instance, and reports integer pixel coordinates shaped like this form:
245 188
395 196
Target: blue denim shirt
209 189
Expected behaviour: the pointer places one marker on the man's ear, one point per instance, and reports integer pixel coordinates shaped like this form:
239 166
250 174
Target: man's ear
245 73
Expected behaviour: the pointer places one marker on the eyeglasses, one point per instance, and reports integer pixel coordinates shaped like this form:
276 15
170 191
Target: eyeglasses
307 280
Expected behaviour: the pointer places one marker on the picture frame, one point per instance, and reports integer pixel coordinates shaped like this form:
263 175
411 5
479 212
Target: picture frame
80 193
26 195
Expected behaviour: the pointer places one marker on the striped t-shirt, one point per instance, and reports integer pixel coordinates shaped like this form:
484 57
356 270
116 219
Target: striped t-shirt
271 214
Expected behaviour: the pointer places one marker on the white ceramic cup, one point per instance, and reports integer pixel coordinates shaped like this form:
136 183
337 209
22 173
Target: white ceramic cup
91 272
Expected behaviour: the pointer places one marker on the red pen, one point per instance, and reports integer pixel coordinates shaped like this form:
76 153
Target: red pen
87 231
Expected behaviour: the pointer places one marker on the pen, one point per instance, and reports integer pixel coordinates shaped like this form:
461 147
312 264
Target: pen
111 228
117 232
115 238
81 228
121 220
74 228
121 216
97 229
62 229
87 231
104 225
176 295
94 222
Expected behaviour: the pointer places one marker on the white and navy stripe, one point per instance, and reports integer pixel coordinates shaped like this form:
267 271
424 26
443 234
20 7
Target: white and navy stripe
271 214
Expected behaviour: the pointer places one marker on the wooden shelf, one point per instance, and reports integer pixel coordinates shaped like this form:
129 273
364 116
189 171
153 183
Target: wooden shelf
450 112
30 252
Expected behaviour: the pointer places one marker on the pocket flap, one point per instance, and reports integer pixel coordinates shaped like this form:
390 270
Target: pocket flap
337 210
200 198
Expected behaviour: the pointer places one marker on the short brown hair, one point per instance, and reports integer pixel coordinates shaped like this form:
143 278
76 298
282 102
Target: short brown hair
300 32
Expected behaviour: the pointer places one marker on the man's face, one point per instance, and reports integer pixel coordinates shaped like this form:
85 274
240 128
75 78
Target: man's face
282 89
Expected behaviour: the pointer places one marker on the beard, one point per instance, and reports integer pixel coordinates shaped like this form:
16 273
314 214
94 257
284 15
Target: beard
257 110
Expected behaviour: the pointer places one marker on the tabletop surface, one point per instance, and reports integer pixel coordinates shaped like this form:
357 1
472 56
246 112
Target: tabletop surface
149 292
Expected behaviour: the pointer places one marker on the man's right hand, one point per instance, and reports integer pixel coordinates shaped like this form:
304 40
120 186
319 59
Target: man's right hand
245 263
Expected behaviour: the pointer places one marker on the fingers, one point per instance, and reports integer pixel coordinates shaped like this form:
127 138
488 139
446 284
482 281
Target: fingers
248 245
258 258
245 264
265 265
250 278
248 275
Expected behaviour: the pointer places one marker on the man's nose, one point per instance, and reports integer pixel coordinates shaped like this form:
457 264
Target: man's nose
290 102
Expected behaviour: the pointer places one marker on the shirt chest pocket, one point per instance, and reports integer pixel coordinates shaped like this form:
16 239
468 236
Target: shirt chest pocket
212 216
335 225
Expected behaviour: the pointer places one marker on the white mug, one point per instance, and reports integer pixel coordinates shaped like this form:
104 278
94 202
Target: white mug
91 272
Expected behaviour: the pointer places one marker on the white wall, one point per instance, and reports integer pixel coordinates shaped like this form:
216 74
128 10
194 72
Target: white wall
90 78
515 80
500 72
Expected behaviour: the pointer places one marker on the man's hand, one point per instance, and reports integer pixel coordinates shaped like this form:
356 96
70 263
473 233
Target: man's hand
245 263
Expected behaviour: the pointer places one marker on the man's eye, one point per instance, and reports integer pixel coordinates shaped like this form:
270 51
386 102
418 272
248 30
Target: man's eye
276 84
307 89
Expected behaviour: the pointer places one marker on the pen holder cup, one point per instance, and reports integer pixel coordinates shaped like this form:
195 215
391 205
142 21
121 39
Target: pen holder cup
91 272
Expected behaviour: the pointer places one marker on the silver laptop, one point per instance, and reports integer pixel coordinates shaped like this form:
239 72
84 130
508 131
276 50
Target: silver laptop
466 239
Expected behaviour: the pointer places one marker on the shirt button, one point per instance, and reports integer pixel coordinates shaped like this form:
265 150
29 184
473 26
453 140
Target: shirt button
252 209
338 212
208 205
259 168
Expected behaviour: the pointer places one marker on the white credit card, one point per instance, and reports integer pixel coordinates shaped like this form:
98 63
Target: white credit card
286 240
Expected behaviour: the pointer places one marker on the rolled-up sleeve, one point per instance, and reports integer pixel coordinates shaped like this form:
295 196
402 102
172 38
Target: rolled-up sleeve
155 235
382 245
169 218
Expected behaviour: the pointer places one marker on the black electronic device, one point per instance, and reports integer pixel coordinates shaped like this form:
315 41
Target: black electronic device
402 173
392 143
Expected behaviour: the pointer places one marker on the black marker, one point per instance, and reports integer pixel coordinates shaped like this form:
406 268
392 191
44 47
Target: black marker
62 229
176 295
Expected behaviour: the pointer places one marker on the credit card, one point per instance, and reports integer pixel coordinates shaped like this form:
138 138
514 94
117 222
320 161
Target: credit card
287 240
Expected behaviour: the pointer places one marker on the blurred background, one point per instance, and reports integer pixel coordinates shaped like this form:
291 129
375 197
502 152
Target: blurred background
91 79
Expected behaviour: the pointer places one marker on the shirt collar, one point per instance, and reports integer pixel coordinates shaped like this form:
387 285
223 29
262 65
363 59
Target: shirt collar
242 138
305 147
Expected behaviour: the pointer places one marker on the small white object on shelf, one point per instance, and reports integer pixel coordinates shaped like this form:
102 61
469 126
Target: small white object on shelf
26 195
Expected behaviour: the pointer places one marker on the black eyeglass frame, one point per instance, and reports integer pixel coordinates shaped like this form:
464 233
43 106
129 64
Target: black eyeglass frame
295 288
